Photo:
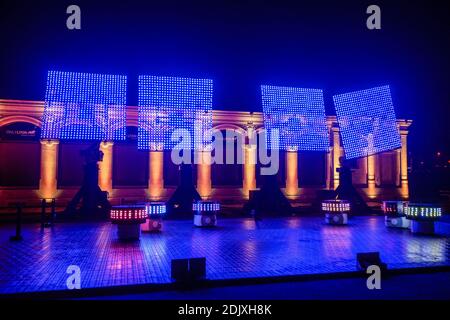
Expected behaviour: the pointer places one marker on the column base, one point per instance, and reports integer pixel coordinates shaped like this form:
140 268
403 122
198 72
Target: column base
404 189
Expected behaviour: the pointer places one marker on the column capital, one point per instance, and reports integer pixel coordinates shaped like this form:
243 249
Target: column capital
292 148
49 142
106 144
250 124
156 146
249 147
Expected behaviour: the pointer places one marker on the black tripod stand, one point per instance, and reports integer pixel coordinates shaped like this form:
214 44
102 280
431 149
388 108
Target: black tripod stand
94 201
180 203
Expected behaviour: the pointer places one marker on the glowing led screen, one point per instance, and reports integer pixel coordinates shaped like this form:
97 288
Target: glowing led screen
367 122
170 107
84 106
299 116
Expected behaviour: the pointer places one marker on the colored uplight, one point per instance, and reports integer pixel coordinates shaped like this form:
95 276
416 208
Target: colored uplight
421 211
128 214
206 206
367 122
155 208
170 103
84 106
394 208
335 206
299 116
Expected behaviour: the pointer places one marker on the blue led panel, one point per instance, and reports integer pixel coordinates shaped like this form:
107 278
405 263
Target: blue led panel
298 114
170 103
367 122
84 106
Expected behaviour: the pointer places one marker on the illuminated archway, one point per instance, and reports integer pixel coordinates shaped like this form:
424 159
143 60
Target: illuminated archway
13 119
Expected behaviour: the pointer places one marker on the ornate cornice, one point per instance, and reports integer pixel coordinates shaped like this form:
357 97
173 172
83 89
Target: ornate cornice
12 110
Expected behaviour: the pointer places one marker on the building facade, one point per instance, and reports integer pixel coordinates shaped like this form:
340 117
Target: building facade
32 169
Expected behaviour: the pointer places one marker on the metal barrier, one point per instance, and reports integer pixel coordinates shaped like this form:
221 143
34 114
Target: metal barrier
18 235
45 203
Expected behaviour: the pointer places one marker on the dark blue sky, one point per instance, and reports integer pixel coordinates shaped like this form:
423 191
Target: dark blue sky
241 45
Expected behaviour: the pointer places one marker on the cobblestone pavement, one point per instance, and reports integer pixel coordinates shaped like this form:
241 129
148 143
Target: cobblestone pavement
237 248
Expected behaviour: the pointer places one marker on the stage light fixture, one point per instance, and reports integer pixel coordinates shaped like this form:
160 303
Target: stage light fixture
128 214
155 208
299 116
170 103
422 217
421 211
395 214
367 122
394 208
336 211
155 212
84 106
205 213
128 219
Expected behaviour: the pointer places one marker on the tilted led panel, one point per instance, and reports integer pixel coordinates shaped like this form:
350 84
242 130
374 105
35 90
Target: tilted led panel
298 114
167 104
367 122
84 106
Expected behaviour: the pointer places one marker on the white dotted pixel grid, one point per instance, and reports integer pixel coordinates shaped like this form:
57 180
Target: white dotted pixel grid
367 122
298 114
84 106
170 103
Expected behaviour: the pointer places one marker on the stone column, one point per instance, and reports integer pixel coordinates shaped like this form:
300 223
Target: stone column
106 166
404 165
398 165
371 183
249 174
328 168
49 168
336 149
204 173
156 174
291 172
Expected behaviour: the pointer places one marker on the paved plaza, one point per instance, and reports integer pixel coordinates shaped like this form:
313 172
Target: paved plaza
237 248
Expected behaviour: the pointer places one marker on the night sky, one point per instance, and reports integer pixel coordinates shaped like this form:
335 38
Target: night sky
241 45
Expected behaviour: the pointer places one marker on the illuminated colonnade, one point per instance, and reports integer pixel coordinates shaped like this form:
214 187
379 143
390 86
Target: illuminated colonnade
13 111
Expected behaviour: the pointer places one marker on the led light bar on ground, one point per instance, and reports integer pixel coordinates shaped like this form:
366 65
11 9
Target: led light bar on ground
169 103
155 208
299 116
394 208
367 122
84 106
128 214
205 213
206 206
335 206
422 211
